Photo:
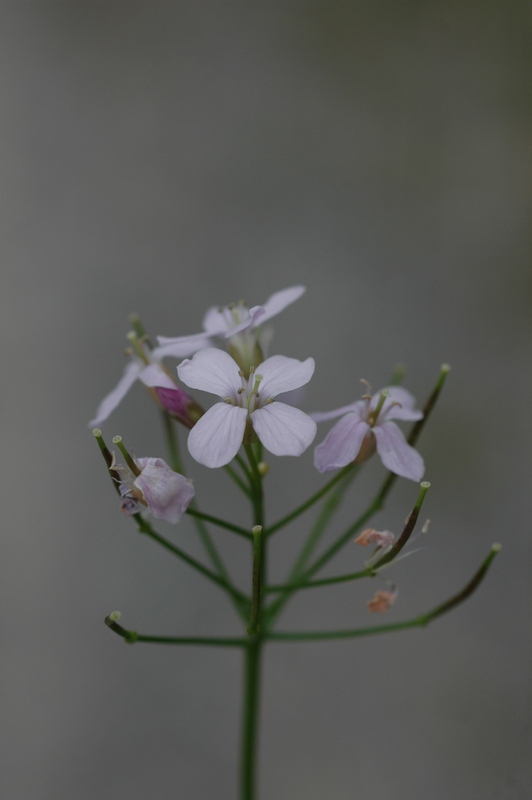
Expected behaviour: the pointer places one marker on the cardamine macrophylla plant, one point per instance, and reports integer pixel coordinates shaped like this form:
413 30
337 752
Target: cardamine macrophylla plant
256 414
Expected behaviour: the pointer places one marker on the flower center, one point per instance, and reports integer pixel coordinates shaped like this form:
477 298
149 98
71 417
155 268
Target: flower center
373 416
247 396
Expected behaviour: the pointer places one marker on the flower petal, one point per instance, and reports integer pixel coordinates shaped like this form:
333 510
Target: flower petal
278 301
216 437
217 320
357 407
166 492
396 454
342 444
406 408
211 370
250 321
110 402
154 375
180 346
282 429
282 374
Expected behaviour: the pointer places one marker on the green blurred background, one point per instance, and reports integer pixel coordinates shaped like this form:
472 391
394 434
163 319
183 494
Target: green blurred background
165 157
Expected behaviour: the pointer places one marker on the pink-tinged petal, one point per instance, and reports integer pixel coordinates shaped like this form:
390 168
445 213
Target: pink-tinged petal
342 444
282 429
166 492
278 301
216 437
251 321
323 416
111 401
396 454
406 410
211 370
282 374
180 346
154 375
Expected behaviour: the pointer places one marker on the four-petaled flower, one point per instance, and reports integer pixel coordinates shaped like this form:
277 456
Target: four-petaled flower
248 402
166 493
237 326
365 426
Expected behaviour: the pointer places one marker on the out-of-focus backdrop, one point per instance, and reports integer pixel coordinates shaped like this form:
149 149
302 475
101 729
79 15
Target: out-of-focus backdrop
165 157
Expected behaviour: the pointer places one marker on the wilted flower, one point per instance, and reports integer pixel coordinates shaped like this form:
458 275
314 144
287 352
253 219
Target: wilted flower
248 402
382 601
371 536
237 326
166 493
145 365
365 426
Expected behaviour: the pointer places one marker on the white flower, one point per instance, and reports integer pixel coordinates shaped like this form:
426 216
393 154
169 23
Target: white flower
365 426
238 327
216 437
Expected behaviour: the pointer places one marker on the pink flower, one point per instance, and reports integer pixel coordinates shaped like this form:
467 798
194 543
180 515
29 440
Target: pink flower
247 401
366 426
166 493
238 327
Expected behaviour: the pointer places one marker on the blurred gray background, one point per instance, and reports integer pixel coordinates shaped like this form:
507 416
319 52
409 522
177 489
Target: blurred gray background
162 158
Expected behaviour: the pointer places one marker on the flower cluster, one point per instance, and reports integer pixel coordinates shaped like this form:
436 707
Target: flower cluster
252 390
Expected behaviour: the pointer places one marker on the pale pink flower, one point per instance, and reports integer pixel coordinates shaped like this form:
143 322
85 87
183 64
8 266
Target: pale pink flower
366 425
239 328
247 401
166 493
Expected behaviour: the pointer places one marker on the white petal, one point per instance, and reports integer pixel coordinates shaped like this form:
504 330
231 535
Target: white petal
110 402
282 374
211 370
278 301
154 375
283 430
356 407
217 320
166 492
396 454
342 444
216 437
253 318
406 409
180 346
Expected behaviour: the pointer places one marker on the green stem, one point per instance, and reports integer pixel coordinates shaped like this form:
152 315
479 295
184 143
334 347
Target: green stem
417 622
131 637
250 718
369 572
145 527
172 443
252 661
311 501
239 482
329 507
254 623
193 512
212 552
